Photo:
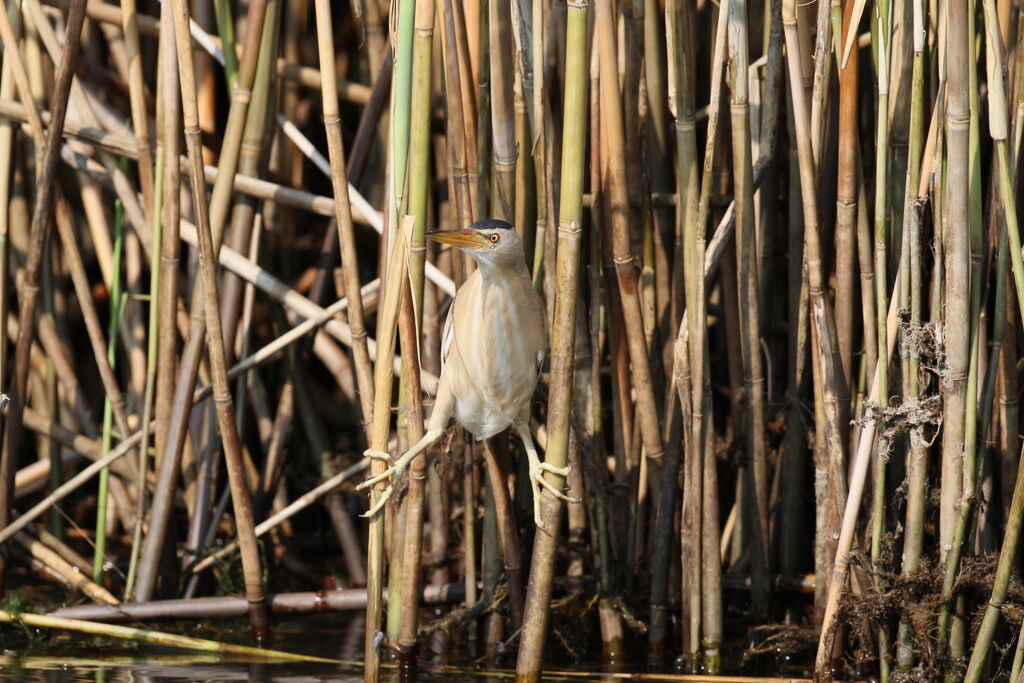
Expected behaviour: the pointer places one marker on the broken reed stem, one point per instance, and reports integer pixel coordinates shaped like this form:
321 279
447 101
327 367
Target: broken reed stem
154 637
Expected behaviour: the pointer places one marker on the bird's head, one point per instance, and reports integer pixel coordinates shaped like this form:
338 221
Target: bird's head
488 241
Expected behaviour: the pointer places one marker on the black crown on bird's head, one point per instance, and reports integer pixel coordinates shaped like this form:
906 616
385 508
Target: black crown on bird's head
491 224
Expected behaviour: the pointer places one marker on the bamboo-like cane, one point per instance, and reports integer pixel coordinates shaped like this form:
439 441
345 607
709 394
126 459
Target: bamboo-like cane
174 438
65 230
73 575
116 311
821 63
956 251
137 93
998 129
750 326
951 626
846 209
917 459
410 322
883 52
38 237
170 244
240 234
625 270
458 140
7 92
536 614
240 494
342 207
499 24
379 429
692 244
830 375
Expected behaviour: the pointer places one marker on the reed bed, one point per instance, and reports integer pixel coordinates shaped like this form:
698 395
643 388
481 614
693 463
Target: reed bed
780 257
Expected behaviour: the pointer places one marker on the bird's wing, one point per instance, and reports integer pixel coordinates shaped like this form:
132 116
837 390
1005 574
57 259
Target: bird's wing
447 335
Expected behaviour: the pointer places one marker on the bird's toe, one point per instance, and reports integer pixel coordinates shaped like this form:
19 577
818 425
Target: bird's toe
376 507
377 455
376 479
560 471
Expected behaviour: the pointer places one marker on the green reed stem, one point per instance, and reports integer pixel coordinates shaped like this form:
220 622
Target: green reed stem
117 303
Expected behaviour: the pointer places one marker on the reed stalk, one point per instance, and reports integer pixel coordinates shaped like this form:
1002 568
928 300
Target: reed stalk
998 129
410 324
342 206
38 239
387 324
170 244
883 53
625 270
137 99
917 458
240 493
563 334
750 325
7 130
827 366
458 140
847 208
154 637
117 304
188 366
239 233
950 619
956 251
503 134
692 244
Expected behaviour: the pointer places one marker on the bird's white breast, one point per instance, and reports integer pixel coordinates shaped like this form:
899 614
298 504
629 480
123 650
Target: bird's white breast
496 345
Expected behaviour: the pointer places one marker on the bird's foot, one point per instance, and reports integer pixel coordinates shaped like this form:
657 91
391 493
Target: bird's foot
393 473
377 455
539 483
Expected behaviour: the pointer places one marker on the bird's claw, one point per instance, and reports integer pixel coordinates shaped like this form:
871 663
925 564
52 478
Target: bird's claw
540 484
560 471
377 455
394 473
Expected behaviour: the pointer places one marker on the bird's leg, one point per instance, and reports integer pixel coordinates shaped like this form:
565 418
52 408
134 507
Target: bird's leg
537 470
397 468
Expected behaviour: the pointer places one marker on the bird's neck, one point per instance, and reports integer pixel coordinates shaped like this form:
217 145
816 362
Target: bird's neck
494 272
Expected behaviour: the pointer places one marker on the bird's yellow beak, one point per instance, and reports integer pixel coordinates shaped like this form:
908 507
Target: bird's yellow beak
467 239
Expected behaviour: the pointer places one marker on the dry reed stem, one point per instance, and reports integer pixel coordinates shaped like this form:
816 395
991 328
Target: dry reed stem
38 237
563 332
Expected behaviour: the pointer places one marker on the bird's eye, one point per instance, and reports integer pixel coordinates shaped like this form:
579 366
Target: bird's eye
494 238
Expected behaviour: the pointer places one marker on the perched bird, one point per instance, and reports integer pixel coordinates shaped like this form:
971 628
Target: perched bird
491 353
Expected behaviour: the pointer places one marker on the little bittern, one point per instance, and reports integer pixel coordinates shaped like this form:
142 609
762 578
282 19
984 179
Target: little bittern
491 353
